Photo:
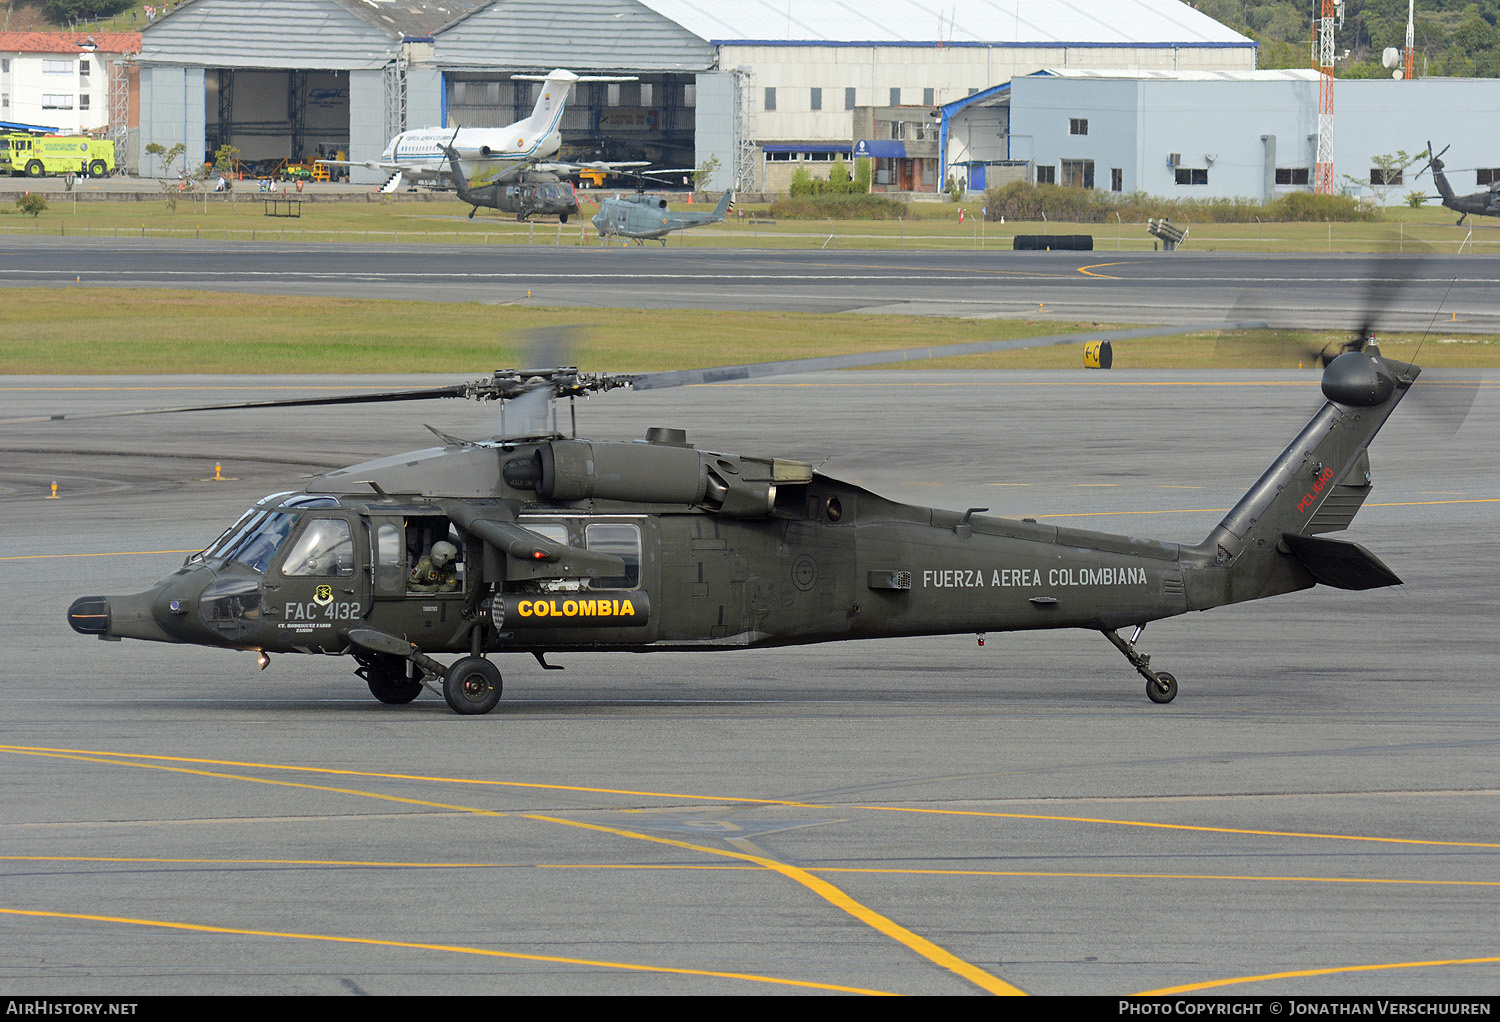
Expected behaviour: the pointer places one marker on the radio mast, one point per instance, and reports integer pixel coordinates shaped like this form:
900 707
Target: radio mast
1331 9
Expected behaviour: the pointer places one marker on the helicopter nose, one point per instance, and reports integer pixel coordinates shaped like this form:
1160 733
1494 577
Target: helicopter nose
89 615
118 617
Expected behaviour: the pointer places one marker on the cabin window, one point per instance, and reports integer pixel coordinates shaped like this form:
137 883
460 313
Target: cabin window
618 540
552 532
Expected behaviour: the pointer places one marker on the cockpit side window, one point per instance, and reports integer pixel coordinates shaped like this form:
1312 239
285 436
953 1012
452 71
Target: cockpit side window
325 550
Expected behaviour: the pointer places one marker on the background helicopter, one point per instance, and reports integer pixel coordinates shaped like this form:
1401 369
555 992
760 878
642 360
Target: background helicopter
564 544
642 216
1485 203
536 192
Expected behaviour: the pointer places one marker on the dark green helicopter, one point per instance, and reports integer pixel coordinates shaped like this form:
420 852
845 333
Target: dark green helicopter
539 191
1485 203
543 543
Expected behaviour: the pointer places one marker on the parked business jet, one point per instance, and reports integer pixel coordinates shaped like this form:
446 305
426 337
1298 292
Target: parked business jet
491 155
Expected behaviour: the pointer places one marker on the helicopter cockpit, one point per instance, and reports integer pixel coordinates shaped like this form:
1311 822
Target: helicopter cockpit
258 533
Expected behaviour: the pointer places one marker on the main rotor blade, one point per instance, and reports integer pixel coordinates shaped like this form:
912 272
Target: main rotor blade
755 370
456 390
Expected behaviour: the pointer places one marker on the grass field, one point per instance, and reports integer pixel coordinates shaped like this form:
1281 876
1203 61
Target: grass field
80 330
241 217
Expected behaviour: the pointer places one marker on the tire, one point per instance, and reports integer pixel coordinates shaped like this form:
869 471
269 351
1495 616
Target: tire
98 169
34 168
1156 695
472 685
391 687
562 218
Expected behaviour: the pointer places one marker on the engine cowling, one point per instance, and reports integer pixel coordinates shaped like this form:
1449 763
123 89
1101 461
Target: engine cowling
664 473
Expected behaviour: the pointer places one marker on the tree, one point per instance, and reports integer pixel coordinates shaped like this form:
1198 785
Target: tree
63 11
1386 173
707 169
31 203
170 185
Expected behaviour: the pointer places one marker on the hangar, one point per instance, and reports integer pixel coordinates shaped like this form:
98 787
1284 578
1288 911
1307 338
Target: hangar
1249 134
752 89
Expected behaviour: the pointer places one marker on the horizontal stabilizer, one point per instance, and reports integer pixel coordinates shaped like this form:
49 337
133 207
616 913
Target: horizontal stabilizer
1339 563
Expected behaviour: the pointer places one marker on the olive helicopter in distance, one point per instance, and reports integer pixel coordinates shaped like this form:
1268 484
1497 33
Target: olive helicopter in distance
1486 203
544 543
539 191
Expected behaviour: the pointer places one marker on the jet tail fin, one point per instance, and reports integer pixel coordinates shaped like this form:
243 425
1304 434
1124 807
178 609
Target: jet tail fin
725 206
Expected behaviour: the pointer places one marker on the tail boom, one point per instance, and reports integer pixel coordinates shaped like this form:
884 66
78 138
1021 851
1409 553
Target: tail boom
1263 546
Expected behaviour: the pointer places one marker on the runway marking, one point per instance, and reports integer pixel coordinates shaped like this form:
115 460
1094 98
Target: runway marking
111 553
750 868
921 945
1198 828
450 948
1087 271
1313 972
818 886
114 758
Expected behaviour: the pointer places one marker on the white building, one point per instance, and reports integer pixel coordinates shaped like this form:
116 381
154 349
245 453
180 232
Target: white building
60 80
1245 134
757 85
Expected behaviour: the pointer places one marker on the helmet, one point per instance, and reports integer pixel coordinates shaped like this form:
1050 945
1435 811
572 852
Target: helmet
443 554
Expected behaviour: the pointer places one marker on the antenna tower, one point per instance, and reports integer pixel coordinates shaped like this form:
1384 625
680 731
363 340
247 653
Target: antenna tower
1324 184
1411 47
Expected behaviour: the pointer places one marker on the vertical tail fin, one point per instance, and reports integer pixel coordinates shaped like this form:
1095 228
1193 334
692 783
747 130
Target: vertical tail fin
550 100
1316 485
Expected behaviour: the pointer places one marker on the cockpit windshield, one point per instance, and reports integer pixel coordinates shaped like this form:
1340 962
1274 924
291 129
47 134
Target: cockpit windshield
255 545
255 537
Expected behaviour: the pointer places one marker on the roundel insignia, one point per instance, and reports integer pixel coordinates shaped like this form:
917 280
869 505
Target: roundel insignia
804 572
323 595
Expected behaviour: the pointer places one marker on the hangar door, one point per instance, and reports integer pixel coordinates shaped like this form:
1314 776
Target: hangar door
277 115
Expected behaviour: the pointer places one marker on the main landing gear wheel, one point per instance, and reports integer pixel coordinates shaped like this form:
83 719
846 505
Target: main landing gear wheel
390 687
472 685
1155 691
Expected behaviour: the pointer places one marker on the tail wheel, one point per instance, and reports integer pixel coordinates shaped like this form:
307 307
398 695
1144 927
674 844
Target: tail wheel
34 168
1156 693
472 685
98 169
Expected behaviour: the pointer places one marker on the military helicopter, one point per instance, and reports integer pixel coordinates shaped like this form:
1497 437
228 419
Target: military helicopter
643 217
1483 203
536 192
561 544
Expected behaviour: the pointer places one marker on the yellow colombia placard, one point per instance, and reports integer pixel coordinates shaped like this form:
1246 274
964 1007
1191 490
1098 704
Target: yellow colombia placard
576 610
